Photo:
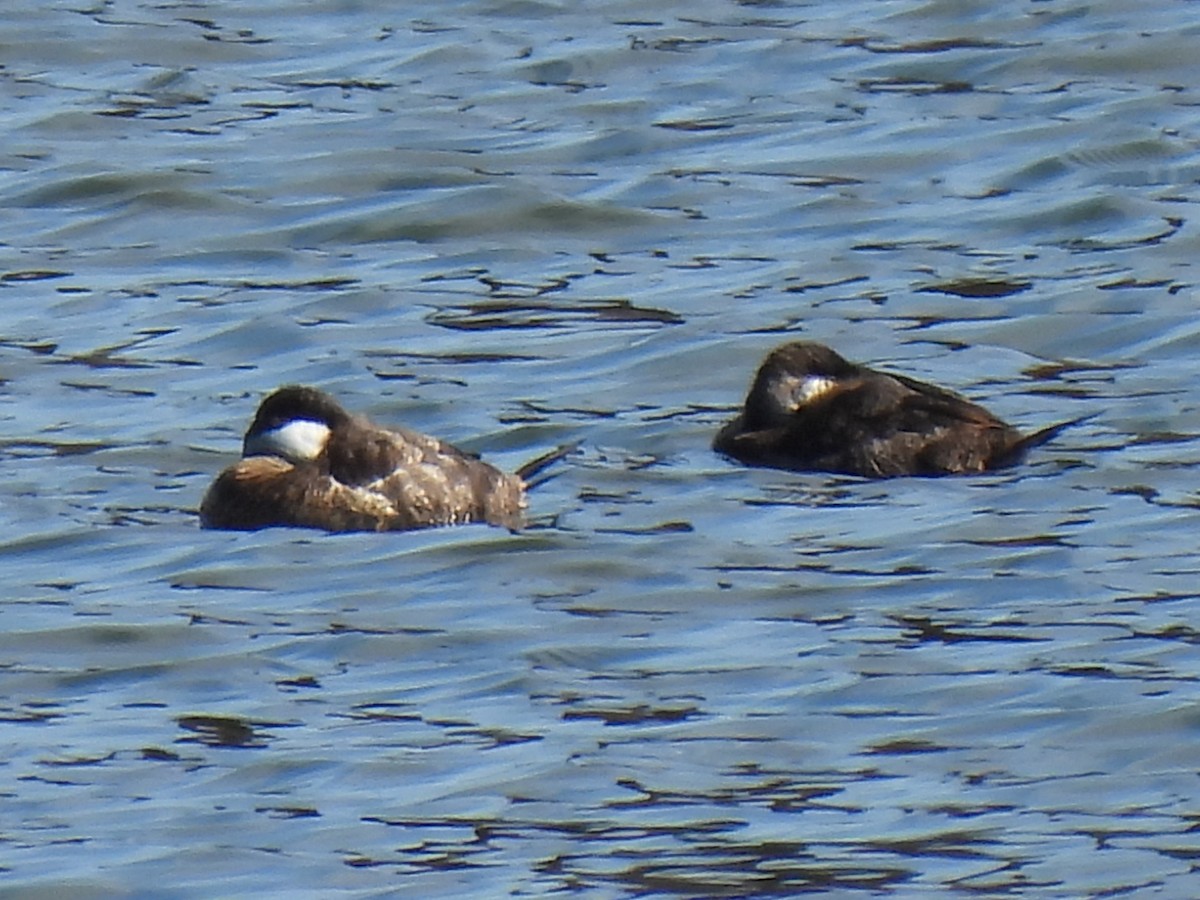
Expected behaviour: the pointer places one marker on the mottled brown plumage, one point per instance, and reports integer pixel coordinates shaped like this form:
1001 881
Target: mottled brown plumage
809 409
344 473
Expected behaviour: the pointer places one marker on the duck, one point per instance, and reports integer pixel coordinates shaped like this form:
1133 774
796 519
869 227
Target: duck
308 463
810 409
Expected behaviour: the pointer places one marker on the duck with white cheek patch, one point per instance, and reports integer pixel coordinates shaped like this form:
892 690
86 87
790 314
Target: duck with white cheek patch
811 410
308 463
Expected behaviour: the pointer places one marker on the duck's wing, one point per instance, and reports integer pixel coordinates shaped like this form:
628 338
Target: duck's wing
426 481
910 405
428 494
895 425
880 425
362 453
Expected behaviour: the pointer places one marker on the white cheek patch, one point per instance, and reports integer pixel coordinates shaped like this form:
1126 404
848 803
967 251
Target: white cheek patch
298 441
812 387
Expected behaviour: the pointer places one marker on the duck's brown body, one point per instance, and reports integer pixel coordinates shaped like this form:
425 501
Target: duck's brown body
352 475
809 409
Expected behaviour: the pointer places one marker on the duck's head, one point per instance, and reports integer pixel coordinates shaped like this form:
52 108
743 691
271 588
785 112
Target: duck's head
792 377
295 423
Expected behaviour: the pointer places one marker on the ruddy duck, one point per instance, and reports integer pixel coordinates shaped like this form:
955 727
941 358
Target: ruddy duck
810 410
308 463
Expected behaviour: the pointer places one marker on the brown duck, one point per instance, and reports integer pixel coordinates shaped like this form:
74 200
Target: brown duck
308 463
811 410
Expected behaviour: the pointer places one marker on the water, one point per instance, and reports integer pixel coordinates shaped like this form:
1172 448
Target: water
519 224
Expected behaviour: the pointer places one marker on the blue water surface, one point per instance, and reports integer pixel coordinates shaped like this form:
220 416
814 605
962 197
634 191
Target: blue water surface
521 224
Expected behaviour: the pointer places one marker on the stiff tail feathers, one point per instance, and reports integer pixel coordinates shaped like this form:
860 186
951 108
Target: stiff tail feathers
531 472
1044 435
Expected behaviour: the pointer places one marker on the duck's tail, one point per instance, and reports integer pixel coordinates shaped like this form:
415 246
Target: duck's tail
528 472
1043 435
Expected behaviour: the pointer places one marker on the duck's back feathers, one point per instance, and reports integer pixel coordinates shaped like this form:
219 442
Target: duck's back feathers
360 452
443 488
428 481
